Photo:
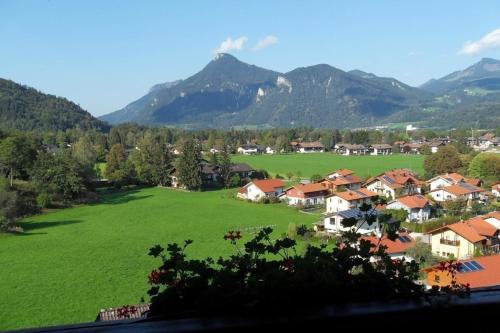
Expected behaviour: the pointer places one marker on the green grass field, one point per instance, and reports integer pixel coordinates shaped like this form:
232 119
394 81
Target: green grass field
73 262
322 163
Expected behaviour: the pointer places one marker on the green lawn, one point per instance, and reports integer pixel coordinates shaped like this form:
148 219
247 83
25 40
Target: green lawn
322 163
73 262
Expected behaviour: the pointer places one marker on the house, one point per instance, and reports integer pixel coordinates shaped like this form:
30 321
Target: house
435 145
347 149
480 272
307 194
270 150
380 149
417 207
396 249
348 199
495 189
249 149
395 183
410 148
342 178
308 147
460 191
449 179
264 188
492 218
243 170
486 141
332 222
465 239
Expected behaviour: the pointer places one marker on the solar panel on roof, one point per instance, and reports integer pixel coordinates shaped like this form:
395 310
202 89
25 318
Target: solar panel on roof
359 192
464 269
388 179
476 265
470 266
403 239
468 186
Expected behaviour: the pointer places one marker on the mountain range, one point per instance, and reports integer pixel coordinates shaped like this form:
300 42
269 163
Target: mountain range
231 93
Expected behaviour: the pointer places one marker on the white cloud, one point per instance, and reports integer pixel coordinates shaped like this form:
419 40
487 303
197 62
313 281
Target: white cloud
265 42
230 44
489 41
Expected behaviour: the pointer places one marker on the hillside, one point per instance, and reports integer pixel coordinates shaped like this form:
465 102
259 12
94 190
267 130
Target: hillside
25 108
228 92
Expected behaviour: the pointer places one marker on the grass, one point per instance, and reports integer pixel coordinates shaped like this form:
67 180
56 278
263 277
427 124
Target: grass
323 163
71 263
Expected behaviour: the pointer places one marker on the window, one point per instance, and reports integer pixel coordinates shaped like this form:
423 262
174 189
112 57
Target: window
437 278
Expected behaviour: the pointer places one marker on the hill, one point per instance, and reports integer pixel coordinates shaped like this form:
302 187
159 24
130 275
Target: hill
228 92
25 108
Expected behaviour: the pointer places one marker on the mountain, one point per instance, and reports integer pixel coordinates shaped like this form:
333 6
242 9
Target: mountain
483 75
228 92
24 108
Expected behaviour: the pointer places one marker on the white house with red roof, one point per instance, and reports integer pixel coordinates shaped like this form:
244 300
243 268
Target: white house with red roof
449 179
341 201
395 183
460 191
259 189
307 194
417 207
396 249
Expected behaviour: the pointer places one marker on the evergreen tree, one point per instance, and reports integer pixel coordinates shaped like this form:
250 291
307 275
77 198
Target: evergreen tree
225 166
189 165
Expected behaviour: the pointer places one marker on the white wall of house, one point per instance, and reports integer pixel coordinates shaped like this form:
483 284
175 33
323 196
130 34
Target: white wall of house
337 204
244 151
310 150
270 150
496 191
494 222
463 250
441 195
434 149
383 151
414 214
295 201
381 188
333 224
438 183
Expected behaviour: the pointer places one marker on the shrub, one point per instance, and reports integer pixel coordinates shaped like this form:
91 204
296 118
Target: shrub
44 200
292 230
278 176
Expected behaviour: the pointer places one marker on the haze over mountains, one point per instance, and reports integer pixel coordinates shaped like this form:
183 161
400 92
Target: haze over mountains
228 92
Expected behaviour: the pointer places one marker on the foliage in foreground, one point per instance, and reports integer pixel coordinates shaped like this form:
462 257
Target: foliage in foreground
269 275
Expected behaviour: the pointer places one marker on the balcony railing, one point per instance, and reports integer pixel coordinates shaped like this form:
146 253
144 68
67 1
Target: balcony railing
449 242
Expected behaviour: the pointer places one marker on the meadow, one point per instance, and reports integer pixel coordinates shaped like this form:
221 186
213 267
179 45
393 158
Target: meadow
71 263
323 163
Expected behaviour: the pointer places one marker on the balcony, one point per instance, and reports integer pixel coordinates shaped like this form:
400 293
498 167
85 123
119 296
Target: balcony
449 242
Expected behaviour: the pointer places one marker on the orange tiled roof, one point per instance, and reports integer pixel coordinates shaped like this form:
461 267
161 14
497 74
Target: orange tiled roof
482 227
392 247
466 231
413 201
487 277
495 215
304 190
357 194
344 172
458 189
474 230
268 185
398 177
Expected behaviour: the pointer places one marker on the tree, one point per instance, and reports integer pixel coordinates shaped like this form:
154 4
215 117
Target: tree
153 160
84 151
189 165
422 254
225 167
119 170
8 206
444 160
455 207
59 175
425 149
289 175
316 178
399 214
17 154
485 166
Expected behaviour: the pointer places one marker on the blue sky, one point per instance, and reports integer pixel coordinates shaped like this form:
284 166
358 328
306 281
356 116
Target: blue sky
105 54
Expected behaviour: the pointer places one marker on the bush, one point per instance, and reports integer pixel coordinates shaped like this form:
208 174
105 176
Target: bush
44 200
278 176
292 230
431 225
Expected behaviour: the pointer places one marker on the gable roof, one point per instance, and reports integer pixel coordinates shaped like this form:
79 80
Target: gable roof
362 193
304 190
381 146
343 172
413 201
462 189
268 185
474 230
392 246
396 178
312 144
241 167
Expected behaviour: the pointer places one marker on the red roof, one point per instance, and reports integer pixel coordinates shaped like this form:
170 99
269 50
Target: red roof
356 194
413 201
398 178
392 246
459 189
474 230
487 277
344 172
308 190
268 185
